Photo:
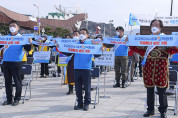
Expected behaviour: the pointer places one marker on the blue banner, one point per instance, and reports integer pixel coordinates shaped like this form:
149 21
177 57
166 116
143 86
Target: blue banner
80 48
117 41
59 40
14 40
174 33
152 40
50 43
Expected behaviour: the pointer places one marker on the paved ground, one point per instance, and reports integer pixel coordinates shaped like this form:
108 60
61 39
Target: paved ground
49 100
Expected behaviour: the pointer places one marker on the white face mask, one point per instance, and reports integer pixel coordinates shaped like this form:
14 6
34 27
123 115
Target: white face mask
76 37
12 29
82 37
154 29
117 33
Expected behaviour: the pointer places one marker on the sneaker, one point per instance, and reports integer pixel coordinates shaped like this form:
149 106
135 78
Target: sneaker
78 107
86 107
148 114
15 103
6 103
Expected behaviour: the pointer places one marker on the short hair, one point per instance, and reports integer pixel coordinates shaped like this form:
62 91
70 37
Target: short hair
160 22
14 21
120 28
75 31
84 30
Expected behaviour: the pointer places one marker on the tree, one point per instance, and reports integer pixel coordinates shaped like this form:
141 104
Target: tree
4 29
57 32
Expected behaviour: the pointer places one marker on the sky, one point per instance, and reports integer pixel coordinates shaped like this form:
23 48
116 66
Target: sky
98 10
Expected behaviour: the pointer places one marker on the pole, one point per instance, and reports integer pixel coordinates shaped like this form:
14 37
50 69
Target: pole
104 84
171 7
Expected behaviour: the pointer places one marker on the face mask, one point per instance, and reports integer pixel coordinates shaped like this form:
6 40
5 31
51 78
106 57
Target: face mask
76 37
82 37
12 29
154 29
117 33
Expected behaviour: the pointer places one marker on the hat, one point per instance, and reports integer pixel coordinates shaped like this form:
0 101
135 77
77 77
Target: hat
120 28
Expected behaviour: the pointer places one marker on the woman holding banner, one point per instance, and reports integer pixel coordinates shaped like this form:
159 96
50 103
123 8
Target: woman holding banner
155 70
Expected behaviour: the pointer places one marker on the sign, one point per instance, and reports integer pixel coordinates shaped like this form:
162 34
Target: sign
59 40
14 40
80 48
35 28
97 41
117 41
41 57
50 43
174 33
152 40
62 61
145 20
107 59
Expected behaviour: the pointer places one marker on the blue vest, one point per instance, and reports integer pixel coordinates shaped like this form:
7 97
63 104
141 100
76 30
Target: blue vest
83 61
14 53
122 50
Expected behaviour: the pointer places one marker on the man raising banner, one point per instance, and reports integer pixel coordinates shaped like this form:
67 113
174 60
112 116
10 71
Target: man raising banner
155 70
82 72
12 65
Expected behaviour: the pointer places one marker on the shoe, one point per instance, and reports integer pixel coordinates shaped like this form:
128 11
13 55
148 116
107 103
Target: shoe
163 115
86 107
6 103
59 75
78 107
149 113
42 76
69 92
123 83
15 103
141 75
132 80
116 85
46 76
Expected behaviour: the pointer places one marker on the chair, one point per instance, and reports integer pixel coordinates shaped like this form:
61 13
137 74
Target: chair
26 70
173 81
136 73
30 60
129 72
95 72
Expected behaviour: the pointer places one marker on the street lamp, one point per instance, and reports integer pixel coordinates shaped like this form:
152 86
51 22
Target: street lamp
38 23
110 26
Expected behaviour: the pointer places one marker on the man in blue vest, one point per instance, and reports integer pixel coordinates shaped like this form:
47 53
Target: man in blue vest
12 65
82 72
121 59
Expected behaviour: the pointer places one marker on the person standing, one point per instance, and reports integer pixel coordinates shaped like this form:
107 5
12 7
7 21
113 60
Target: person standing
44 66
70 67
12 65
121 60
156 71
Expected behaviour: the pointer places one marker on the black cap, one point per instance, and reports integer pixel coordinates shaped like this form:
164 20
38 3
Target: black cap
120 28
